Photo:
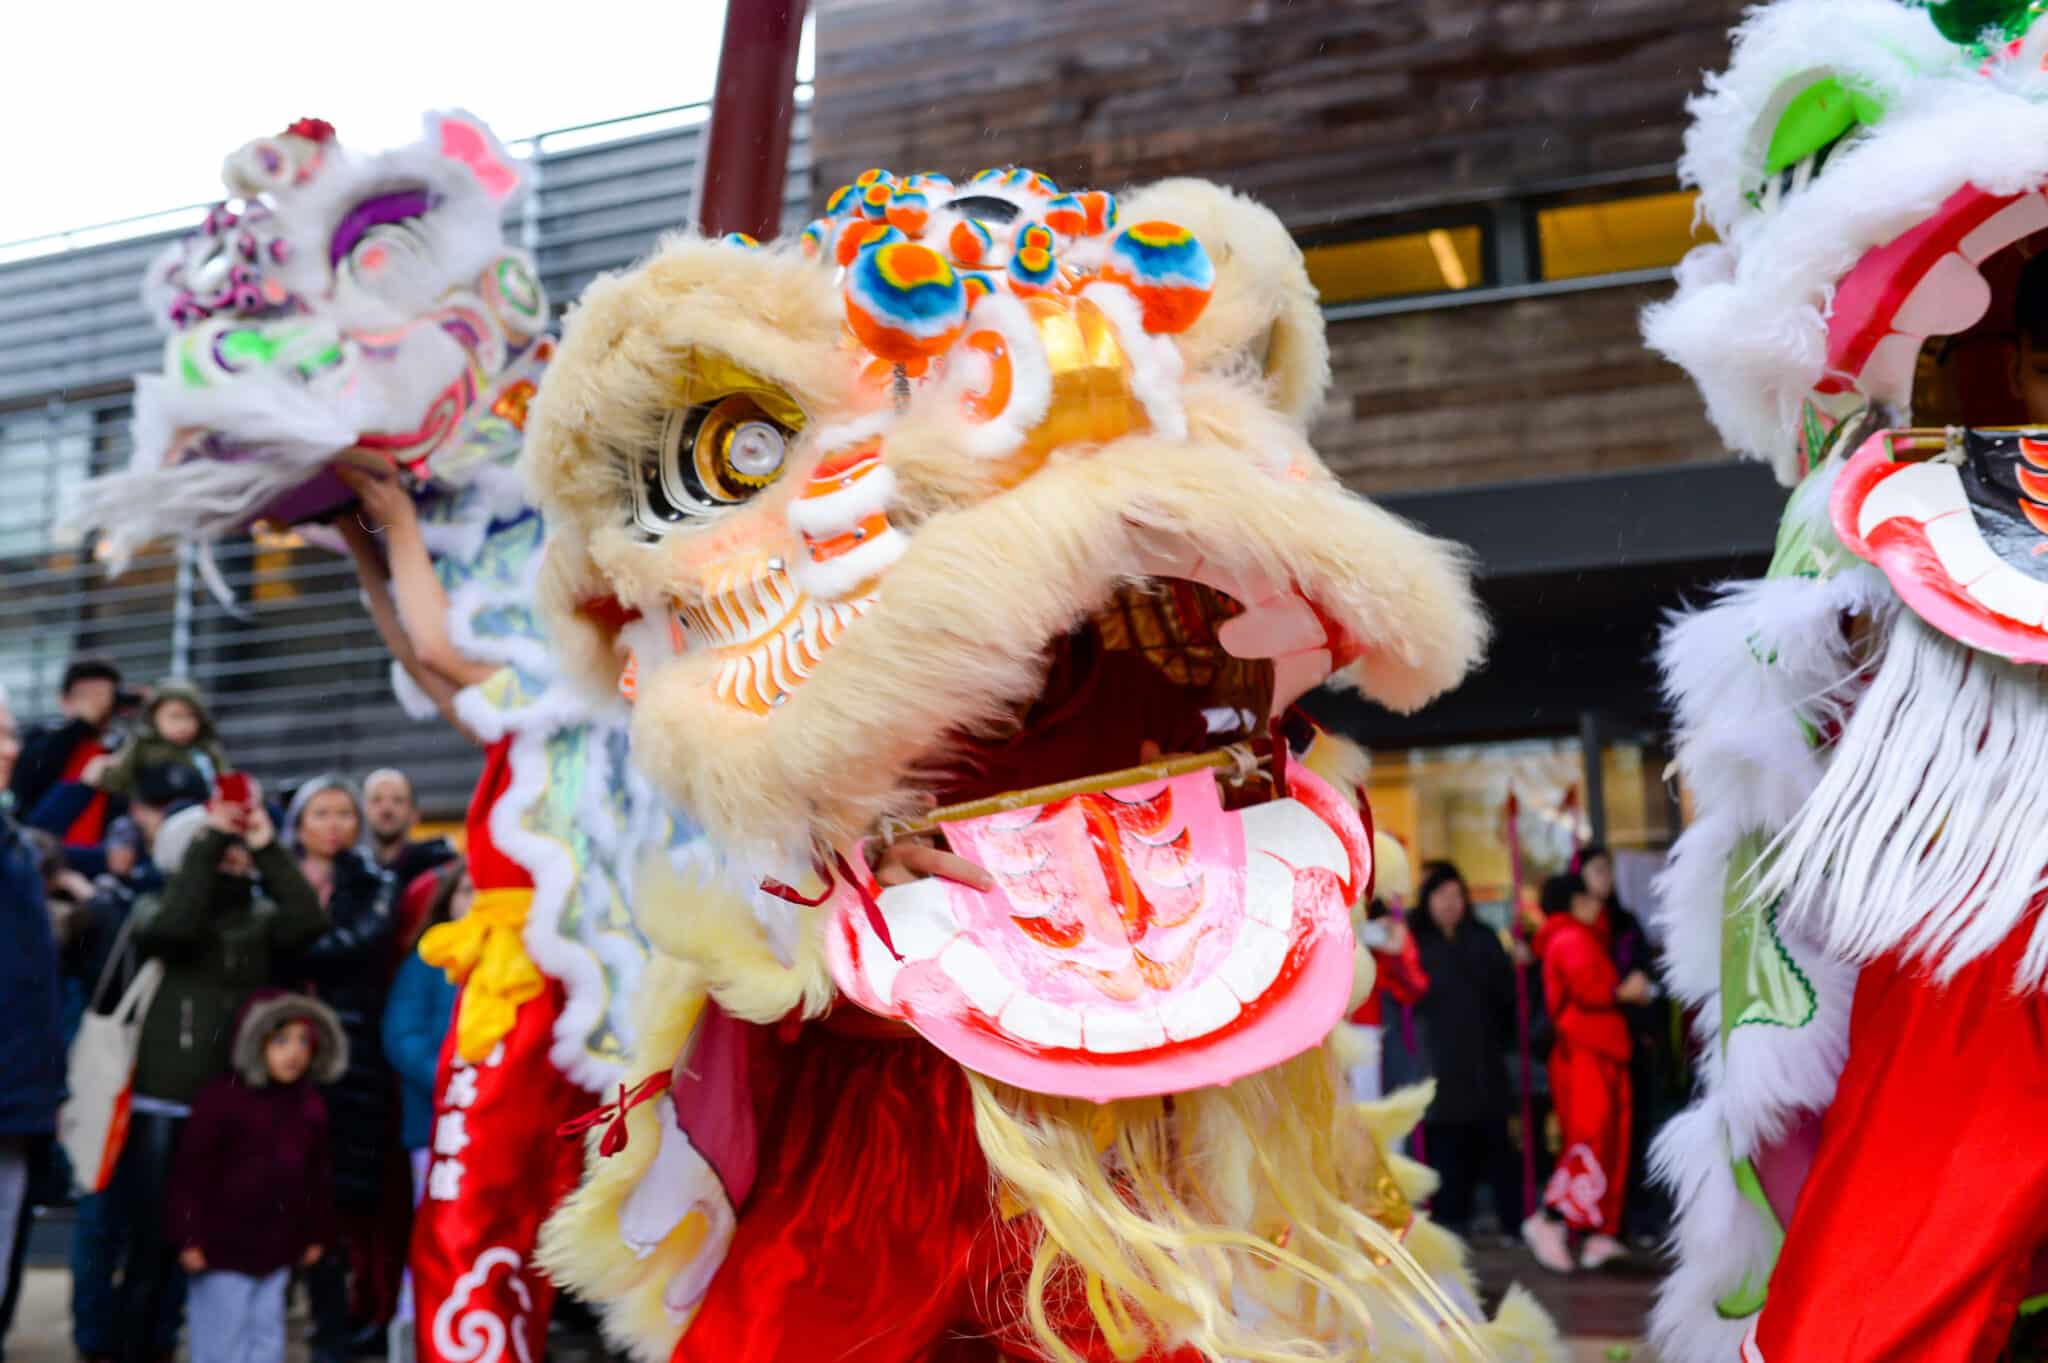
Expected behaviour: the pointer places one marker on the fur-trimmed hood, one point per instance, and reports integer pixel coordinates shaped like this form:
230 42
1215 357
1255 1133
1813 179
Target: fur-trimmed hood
269 1009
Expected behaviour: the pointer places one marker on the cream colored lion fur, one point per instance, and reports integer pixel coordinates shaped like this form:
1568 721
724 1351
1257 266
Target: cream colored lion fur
932 657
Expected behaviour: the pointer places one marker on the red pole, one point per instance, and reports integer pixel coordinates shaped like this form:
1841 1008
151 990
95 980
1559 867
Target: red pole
1518 934
746 146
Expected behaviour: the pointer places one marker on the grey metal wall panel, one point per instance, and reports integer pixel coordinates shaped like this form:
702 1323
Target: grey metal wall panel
296 675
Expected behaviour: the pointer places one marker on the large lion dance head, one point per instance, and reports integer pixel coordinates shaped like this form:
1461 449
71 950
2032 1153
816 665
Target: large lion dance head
987 512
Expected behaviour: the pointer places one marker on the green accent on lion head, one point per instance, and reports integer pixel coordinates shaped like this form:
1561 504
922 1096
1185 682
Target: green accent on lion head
1965 22
1818 115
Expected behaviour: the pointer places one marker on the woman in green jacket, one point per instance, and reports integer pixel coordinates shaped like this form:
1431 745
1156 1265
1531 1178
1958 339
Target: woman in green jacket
235 902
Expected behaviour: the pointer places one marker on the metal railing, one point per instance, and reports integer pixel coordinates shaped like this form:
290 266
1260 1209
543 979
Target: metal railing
297 678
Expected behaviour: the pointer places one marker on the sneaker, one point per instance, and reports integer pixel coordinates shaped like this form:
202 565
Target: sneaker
1547 1240
1600 1251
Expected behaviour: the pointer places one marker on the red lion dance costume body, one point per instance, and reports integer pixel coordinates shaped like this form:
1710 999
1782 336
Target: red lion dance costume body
1856 911
972 520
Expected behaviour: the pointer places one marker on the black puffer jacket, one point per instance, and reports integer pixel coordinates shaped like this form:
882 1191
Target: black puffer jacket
348 968
1468 1017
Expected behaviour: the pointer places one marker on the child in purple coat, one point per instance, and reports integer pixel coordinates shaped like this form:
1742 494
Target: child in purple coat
251 1194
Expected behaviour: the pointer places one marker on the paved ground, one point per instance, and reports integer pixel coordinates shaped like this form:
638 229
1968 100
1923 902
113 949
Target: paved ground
1601 1313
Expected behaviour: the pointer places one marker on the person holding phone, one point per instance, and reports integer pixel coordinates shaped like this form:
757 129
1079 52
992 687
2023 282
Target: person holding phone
234 901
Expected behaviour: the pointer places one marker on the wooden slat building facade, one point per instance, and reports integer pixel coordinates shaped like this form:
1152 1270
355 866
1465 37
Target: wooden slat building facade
1487 195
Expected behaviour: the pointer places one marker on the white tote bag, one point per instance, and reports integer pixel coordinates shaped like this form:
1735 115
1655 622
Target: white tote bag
92 1125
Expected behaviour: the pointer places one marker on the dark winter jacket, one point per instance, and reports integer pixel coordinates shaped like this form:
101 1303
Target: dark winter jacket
147 748
217 936
52 750
113 901
416 1023
1468 1018
252 1188
31 995
348 967
415 859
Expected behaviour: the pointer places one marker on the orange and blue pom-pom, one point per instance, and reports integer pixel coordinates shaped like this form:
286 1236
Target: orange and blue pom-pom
813 238
860 234
874 201
740 239
1066 216
927 180
1167 269
978 283
1100 206
873 176
970 241
904 301
1040 184
843 201
909 209
1033 268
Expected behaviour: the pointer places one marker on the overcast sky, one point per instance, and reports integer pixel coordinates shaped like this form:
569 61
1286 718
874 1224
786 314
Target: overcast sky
109 110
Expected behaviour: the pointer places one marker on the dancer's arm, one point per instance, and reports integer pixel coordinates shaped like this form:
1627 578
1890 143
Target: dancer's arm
388 513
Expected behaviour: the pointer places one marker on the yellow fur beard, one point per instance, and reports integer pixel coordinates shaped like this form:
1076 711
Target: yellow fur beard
1168 1213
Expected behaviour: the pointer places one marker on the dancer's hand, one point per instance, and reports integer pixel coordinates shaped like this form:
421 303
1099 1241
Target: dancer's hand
193 1260
1635 989
384 502
903 862
312 1256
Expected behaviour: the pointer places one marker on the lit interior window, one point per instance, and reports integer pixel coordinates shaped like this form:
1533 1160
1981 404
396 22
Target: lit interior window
1637 233
1440 260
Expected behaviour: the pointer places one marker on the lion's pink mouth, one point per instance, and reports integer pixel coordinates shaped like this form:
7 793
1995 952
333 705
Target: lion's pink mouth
1925 282
1145 935
1958 521
1960 535
1138 941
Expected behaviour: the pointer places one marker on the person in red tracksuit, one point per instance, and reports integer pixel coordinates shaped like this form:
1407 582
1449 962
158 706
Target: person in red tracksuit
1589 1079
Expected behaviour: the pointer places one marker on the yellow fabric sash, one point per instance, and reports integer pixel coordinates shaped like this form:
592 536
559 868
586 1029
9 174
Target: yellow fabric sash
485 954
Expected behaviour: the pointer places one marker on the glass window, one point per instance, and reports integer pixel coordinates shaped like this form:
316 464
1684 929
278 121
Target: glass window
1439 260
1637 233
1451 804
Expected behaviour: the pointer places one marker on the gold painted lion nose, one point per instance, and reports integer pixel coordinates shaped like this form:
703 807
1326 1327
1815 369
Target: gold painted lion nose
1080 372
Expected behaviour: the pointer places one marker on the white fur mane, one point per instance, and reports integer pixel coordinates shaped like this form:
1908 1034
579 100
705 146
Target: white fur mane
1924 835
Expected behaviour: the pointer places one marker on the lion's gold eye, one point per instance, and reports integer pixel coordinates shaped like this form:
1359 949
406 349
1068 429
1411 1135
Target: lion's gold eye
712 456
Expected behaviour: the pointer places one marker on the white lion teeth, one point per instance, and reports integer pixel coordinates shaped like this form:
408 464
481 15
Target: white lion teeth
1273 628
1960 546
1199 1011
968 966
1949 298
920 917
2012 594
1291 831
877 966
1254 963
2022 217
1032 1019
1268 890
1918 492
1120 1031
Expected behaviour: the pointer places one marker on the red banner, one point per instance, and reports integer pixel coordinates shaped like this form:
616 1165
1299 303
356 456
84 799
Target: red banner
496 1172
